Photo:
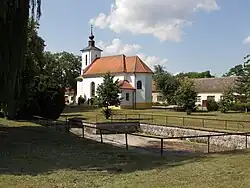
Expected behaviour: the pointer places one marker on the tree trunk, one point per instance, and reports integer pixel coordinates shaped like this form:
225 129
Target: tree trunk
13 25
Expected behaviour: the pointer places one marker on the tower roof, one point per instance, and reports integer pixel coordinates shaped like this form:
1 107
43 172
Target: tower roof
91 45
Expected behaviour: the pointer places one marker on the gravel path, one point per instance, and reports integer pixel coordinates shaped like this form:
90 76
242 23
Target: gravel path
142 144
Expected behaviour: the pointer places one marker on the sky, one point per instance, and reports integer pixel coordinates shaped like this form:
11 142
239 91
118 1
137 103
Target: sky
181 35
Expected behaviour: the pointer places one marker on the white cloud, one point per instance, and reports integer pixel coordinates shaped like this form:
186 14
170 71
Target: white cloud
117 47
163 19
247 40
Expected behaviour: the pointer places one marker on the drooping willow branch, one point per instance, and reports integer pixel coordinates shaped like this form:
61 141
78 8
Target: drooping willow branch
14 15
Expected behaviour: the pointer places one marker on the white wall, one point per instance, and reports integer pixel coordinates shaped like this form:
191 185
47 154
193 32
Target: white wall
91 56
148 95
131 96
83 88
203 96
144 94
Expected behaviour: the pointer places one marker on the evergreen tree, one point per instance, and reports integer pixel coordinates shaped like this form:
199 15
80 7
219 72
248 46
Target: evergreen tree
108 94
242 85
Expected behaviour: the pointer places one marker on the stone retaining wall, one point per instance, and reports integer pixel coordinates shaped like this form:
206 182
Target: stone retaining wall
108 127
230 141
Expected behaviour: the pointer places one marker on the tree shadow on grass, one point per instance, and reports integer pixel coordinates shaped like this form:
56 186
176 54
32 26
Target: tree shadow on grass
39 150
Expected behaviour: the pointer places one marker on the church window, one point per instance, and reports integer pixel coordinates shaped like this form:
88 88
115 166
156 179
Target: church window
92 89
127 96
139 84
86 59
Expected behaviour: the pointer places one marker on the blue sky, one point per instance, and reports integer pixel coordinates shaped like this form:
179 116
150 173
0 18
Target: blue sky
214 40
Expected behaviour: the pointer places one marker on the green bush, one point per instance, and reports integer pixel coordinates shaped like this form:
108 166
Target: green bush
212 105
45 99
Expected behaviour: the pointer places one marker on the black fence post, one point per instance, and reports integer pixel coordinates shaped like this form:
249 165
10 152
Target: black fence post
246 140
208 144
161 146
66 125
101 135
126 140
82 130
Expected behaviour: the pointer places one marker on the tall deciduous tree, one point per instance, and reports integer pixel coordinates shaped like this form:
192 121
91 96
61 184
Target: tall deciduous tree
237 70
64 67
166 83
108 94
14 16
186 94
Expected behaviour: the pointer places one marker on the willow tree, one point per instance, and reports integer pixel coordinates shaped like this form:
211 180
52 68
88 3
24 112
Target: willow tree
14 15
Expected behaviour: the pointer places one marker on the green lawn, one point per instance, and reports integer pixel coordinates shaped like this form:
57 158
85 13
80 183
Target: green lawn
33 156
201 120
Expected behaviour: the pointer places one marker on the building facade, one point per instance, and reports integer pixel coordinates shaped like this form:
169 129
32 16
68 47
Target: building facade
135 77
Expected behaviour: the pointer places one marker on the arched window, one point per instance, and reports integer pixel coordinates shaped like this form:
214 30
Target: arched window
86 60
139 84
92 89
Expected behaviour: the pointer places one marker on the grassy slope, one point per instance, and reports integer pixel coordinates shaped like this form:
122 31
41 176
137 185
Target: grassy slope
35 157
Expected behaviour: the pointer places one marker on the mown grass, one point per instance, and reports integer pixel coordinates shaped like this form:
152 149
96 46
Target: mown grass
34 156
201 120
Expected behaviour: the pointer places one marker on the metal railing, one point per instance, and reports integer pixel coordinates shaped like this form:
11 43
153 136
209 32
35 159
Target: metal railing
162 139
66 126
181 121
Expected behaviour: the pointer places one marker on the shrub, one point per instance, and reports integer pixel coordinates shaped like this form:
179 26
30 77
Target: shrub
212 105
45 99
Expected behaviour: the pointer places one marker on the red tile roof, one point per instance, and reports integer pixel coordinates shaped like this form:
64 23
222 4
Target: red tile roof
117 64
124 84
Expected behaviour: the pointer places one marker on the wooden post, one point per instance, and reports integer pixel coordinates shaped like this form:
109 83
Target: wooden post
166 120
139 117
183 121
246 140
82 130
101 135
226 124
203 122
96 118
126 140
161 146
152 118
208 144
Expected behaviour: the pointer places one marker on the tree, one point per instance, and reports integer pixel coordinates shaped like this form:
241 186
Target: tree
237 70
205 74
64 67
14 18
166 83
186 95
227 100
108 94
242 85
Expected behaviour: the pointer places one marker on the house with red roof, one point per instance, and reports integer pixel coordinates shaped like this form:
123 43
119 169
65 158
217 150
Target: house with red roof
134 76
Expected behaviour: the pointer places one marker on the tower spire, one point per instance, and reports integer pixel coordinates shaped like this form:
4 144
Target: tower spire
91 37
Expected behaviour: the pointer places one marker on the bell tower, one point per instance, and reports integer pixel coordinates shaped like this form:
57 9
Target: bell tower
91 52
